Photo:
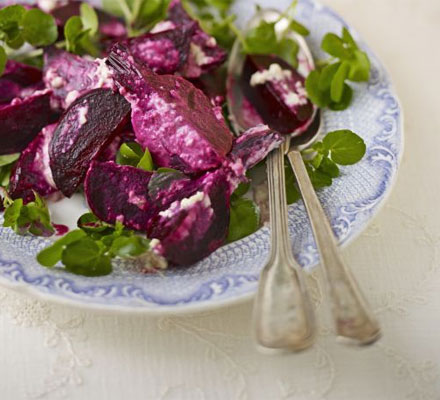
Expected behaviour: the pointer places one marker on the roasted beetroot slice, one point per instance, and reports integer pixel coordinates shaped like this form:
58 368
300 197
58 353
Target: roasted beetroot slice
21 121
171 117
205 54
119 193
254 145
69 76
194 227
282 104
32 171
23 74
163 52
90 123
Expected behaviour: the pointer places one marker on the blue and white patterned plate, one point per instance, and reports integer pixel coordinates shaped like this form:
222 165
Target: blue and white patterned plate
231 273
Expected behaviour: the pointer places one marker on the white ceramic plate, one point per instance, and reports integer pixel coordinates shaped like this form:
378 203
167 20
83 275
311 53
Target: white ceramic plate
230 274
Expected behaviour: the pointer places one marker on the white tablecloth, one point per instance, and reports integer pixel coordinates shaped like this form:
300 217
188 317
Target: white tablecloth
48 351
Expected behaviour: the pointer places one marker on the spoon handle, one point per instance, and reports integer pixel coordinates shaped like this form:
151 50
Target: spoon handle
283 316
354 319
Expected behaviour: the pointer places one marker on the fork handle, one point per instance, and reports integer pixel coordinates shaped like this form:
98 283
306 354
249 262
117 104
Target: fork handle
353 316
283 316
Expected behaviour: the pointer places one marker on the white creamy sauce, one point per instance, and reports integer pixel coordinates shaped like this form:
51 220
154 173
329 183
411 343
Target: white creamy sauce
211 42
190 201
199 55
154 243
163 26
82 115
186 203
297 98
47 5
274 73
103 73
71 97
47 172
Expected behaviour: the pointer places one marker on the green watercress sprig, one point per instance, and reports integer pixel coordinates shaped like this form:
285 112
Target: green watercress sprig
19 25
264 39
90 249
244 217
81 32
31 218
139 15
327 85
7 162
131 153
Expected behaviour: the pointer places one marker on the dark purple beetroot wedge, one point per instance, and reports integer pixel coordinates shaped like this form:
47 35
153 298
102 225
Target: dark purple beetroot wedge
69 76
205 54
32 171
15 78
22 120
276 90
171 117
195 226
163 52
119 193
254 145
89 124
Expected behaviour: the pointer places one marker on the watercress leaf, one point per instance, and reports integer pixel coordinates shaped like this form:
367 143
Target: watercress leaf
347 95
222 5
334 45
146 162
359 67
348 39
129 246
90 223
129 154
12 213
5 174
319 179
288 50
329 167
39 28
298 28
162 179
10 21
84 257
338 82
316 161
220 29
244 218
15 43
242 189
150 12
89 18
345 146
262 39
114 7
52 254
317 96
327 75
292 192
162 170
8 159
72 32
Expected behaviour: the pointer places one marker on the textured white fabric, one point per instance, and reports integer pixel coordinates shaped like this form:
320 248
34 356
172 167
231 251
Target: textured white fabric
49 352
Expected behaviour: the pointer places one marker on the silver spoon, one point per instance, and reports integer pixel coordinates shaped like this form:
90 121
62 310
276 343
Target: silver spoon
283 315
353 317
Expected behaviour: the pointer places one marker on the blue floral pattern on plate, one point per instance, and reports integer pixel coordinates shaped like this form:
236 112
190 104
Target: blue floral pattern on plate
231 273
